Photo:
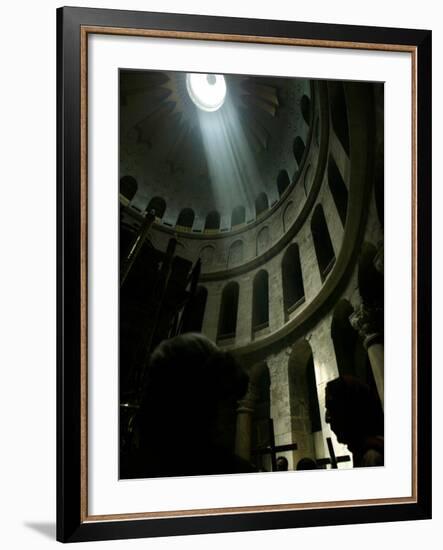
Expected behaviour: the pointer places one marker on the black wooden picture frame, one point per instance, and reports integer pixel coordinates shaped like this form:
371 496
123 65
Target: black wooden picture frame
73 26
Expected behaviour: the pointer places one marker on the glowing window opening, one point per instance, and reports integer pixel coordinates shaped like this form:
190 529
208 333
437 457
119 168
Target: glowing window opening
207 91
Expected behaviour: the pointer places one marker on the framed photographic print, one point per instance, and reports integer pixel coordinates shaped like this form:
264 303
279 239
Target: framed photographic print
244 236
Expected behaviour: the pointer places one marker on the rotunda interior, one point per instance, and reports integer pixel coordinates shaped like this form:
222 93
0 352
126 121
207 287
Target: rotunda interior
251 211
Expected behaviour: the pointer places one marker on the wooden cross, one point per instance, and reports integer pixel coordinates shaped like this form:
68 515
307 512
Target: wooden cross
272 449
333 460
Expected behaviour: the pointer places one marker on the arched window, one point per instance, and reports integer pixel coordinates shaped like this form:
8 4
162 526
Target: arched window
195 311
338 189
186 218
260 301
227 325
305 105
261 204
282 182
158 205
322 242
128 187
298 149
235 253
293 288
339 114
212 220
238 215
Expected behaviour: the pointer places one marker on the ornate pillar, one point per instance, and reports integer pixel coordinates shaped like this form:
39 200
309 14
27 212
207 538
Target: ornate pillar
368 322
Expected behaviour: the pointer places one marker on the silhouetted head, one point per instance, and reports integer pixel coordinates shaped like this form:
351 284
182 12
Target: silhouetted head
352 410
306 464
282 464
191 393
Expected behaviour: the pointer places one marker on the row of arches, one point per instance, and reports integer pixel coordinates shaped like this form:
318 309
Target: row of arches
320 232
351 358
303 406
293 290
186 217
293 293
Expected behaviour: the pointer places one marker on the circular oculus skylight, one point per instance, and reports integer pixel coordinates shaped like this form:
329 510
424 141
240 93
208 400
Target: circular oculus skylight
207 91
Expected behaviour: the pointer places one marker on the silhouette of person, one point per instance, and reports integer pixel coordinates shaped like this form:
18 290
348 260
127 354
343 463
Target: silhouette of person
282 464
306 463
356 417
186 422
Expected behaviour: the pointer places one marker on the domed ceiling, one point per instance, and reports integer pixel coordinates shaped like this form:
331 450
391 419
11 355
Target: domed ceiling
208 160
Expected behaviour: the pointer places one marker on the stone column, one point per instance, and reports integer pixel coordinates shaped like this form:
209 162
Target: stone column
244 312
243 431
276 309
366 321
280 402
212 312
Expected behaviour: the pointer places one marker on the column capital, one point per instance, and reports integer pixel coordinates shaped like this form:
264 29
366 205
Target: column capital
246 405
368 322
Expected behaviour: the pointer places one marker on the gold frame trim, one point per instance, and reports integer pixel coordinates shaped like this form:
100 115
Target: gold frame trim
84 32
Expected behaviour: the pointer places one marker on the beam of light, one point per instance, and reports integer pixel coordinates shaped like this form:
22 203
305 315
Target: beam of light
207 91
235 177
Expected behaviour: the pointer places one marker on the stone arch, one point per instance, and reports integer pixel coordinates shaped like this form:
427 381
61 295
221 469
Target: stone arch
158 205
212 221
227 325
186 218
303 400
260 300
195 311
236 251
262 240
338 189
283 181
238 215
339 113
322 242
292 279
261 204
128 187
